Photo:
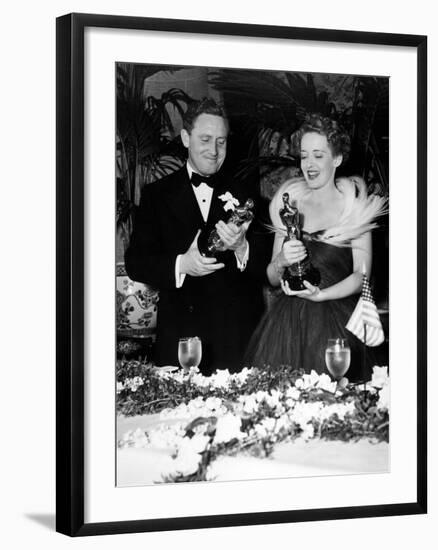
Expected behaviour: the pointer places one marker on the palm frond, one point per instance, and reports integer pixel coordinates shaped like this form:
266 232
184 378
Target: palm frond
263 164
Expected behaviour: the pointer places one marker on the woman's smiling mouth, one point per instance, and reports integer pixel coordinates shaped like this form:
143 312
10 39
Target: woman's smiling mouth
312 174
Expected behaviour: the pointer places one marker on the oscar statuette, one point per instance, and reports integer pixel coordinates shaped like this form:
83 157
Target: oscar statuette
209 242
301 271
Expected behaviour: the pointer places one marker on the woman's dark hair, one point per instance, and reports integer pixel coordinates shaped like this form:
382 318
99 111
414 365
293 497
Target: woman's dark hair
337 137
205 106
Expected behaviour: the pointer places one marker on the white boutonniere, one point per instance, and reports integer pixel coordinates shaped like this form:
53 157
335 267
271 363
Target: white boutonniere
229 200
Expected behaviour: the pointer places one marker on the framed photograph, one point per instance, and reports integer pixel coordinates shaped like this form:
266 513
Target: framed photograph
241 335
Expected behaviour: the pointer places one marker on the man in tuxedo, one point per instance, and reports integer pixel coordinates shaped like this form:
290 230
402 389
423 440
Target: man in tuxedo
219 300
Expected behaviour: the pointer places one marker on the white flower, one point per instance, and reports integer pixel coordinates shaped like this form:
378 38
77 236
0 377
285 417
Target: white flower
384 395
178 376
210 474
293 393
240 377
325 383
181 411
338 409
186 462
134 383
163 373
261 395
200 380
226 196
167 436
229 200
193 371
380 377
307 381
366 387
259 430
303 413
289 403
308 432
213 403
228 428
310 380
250 404
282 422
134 438
201 428
120 387
220 379
197 444
273 398
269 424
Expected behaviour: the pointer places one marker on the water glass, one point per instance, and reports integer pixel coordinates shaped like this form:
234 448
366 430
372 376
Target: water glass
189 352
337 357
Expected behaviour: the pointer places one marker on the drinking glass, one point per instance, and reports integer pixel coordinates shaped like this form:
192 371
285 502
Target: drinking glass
337 357
189 352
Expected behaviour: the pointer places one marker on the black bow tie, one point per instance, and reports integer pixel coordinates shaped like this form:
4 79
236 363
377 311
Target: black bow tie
197 179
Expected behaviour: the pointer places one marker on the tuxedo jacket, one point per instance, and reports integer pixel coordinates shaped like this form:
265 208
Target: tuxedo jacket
221 308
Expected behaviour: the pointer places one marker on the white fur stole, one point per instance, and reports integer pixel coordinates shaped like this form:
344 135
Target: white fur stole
358 217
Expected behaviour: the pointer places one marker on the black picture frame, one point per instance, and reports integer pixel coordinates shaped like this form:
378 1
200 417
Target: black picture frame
70 272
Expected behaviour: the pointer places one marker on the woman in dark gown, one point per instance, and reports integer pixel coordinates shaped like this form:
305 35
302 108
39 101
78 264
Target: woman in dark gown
337 217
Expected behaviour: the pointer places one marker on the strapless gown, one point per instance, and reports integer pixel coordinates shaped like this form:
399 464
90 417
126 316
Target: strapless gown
294 331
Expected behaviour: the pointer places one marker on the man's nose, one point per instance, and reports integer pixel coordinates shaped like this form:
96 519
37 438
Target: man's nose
213 149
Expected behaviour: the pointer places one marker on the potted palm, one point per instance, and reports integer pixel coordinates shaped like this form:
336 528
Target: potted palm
146 150
269 106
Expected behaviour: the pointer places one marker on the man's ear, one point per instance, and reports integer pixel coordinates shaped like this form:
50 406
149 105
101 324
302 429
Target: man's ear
185 138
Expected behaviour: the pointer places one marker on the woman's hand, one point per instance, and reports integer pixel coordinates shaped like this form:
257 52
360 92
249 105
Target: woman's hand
293 251
312 293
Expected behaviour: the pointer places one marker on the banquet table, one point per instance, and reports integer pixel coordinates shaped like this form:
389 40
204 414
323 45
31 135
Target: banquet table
300 458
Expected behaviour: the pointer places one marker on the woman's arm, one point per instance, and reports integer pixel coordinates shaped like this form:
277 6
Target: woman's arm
275 270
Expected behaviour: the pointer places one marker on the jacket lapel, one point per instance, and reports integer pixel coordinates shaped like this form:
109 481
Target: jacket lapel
181 201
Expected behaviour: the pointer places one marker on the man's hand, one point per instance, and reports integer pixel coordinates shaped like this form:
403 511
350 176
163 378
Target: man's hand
233 236
192 263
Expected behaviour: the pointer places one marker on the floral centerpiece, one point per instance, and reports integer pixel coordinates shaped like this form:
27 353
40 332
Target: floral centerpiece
204 418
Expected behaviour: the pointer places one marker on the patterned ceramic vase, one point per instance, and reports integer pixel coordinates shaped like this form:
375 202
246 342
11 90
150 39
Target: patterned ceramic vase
136 307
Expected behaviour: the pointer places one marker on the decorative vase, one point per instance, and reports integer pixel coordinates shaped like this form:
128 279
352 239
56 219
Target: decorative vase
136 314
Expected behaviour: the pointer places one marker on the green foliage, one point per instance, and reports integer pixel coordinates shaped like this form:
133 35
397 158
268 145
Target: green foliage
268 106
158 393
147 148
